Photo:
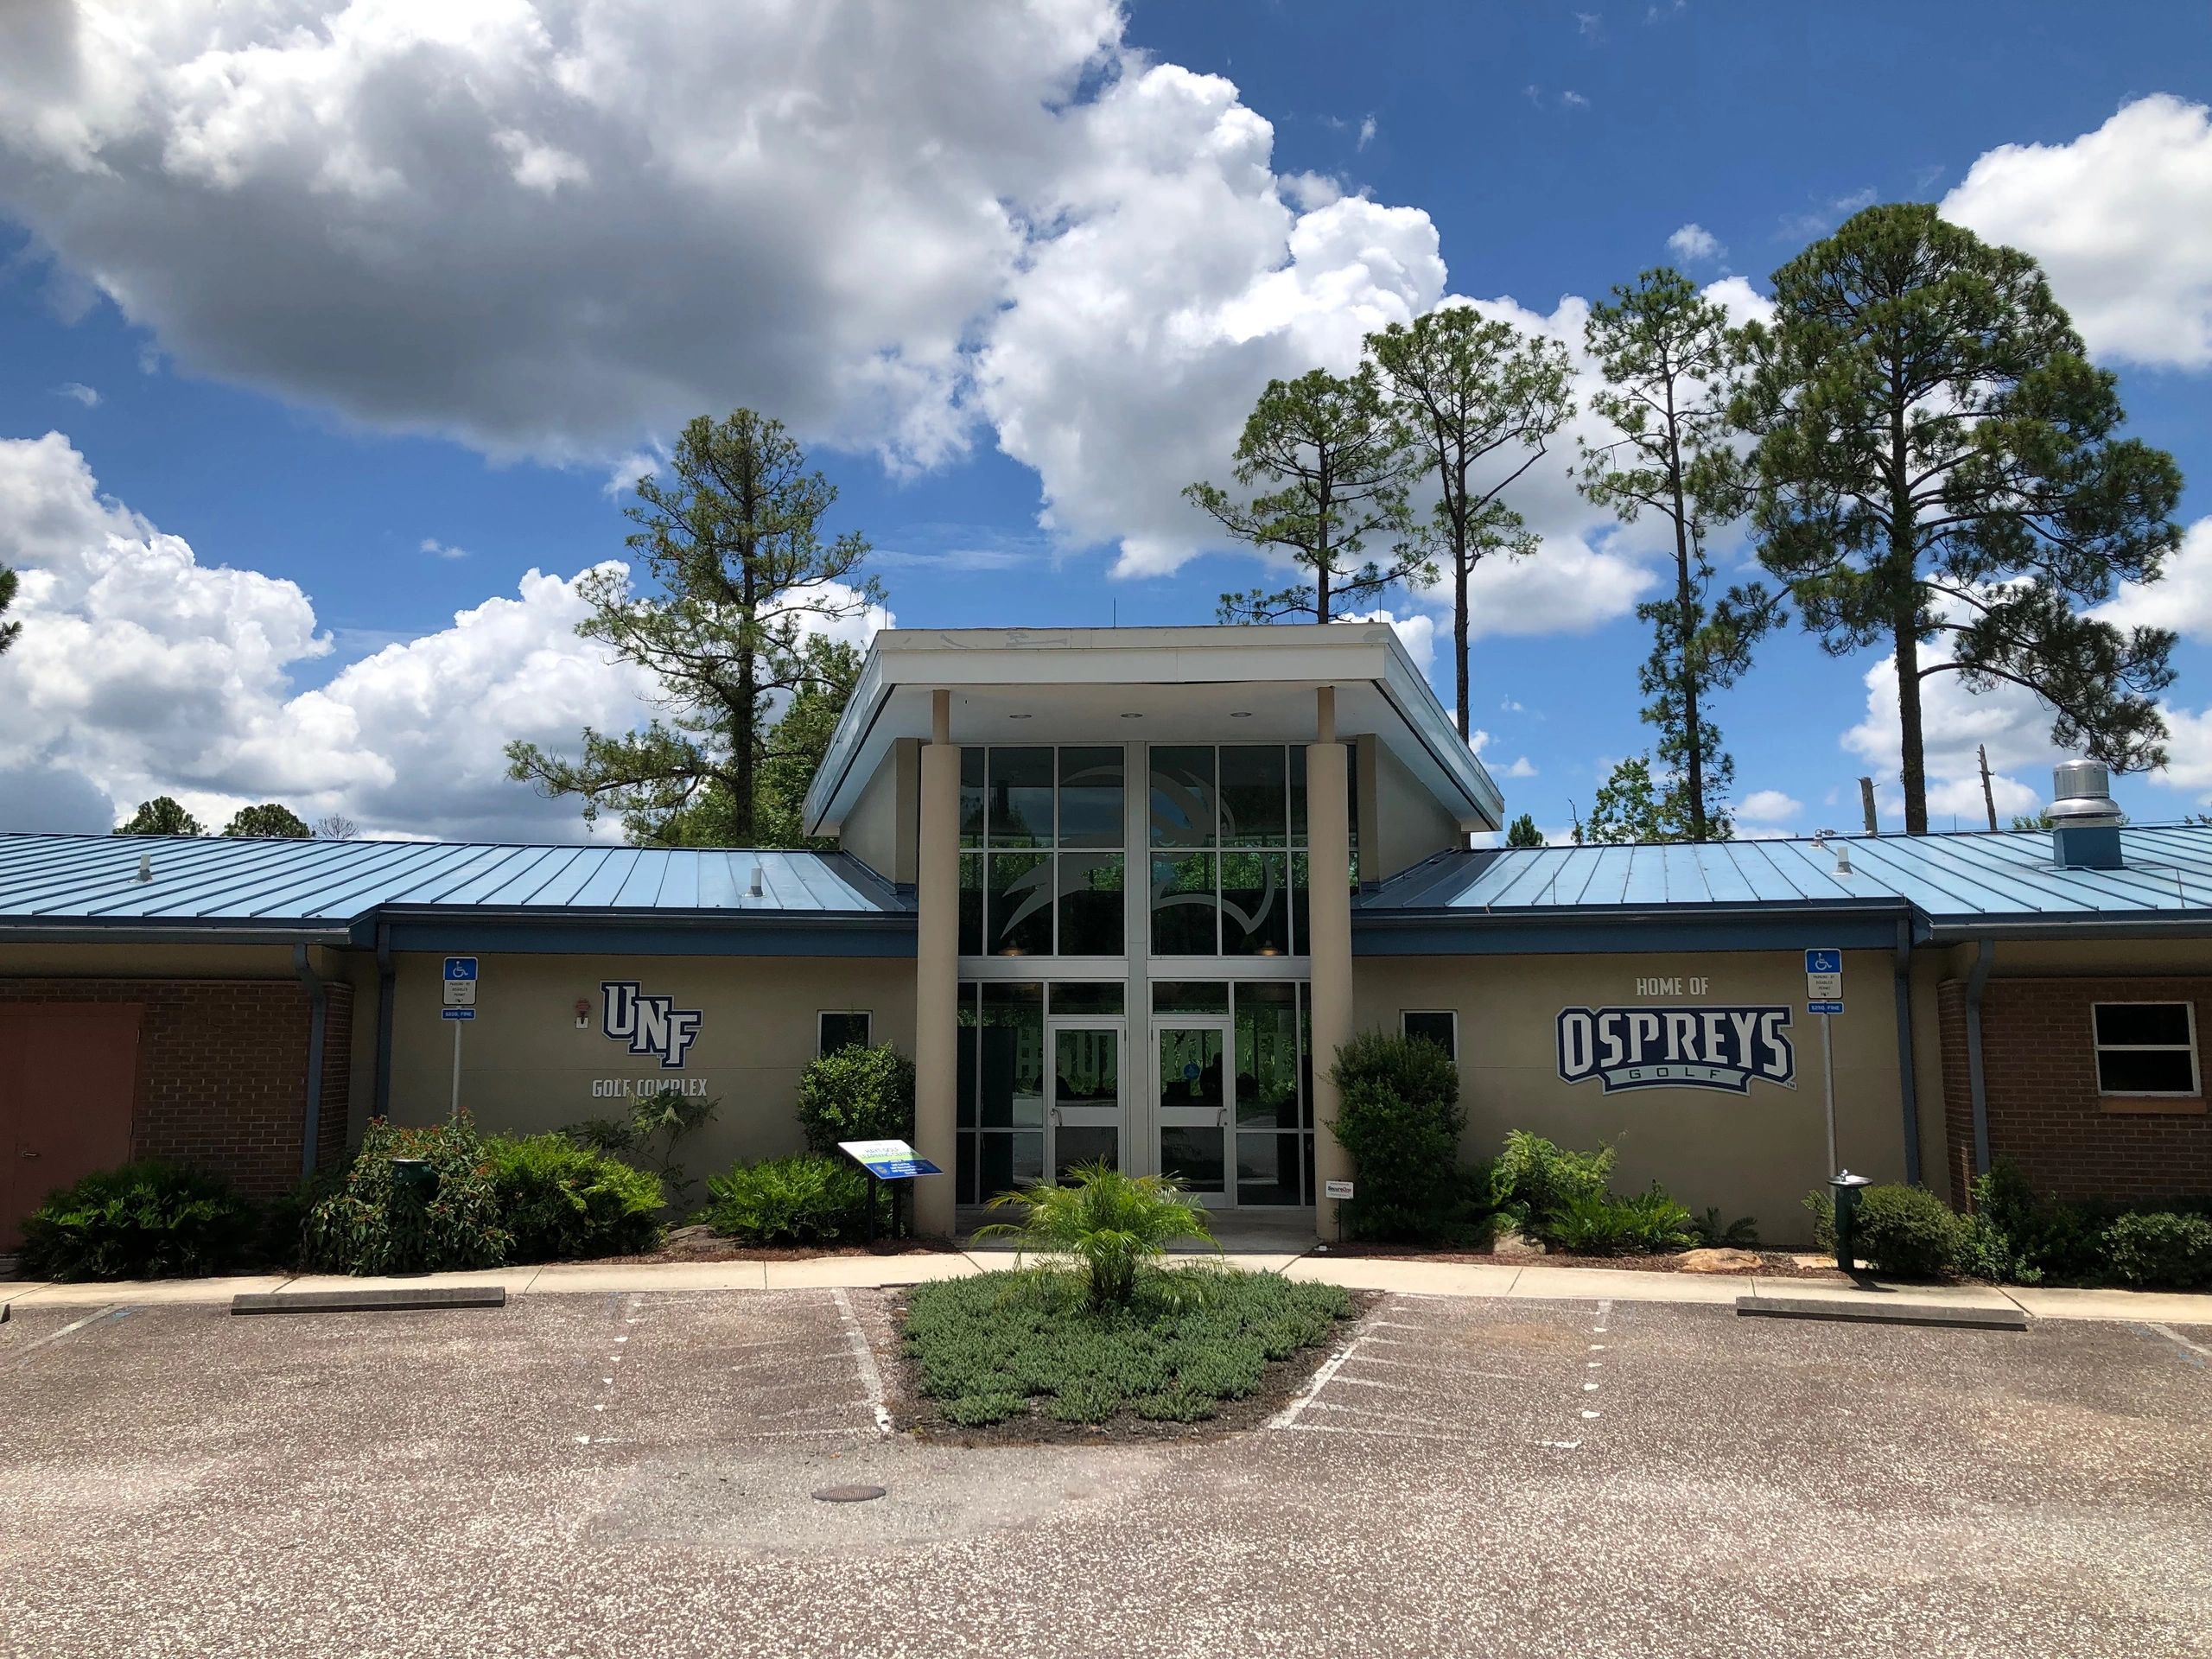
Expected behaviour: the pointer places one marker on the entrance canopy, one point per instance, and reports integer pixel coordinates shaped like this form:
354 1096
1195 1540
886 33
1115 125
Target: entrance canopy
1154 685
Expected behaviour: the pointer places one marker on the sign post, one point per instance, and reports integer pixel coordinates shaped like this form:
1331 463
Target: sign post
460 1008
1824 996
886 1161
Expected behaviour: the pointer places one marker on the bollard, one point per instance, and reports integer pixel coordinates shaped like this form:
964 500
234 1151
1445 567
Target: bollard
1847 1187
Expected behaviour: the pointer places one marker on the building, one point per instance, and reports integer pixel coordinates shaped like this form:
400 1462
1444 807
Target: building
1079 880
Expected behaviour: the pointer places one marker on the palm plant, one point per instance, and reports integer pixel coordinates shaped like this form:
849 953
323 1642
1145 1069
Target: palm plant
1108 1224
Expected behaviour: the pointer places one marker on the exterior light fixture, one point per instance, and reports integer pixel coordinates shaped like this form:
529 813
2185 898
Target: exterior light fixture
1243 714
1017 717
583 1013
1132 716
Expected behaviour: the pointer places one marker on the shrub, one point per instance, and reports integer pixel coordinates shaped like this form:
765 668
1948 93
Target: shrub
561 1201
1904 1230
1597 1224
2161 1250
1536 1178
1741 1234
806 1199
651 1138
385 1220
2020 1237
856 1094
150 1220
1399 1120
1107 1224
283 1219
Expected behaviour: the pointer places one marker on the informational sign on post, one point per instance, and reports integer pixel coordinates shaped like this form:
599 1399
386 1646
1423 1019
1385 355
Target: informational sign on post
1824 996
1336 1188
888 1160
459 977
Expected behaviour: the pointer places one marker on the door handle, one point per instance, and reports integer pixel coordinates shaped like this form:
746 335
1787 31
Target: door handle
25 1152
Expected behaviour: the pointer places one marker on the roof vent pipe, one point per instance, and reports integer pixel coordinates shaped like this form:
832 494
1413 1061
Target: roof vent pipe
145 866
754 890
2084 819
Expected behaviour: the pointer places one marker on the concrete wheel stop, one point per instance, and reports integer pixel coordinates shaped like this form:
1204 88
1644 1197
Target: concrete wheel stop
407 1299
1878 1310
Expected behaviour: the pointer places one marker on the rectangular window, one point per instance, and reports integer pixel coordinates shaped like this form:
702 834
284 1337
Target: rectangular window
1255 796
1183 796
1186 907
1090 903
850 1029
2145 1048
1019 919
1090 798
1020 798
1439 1026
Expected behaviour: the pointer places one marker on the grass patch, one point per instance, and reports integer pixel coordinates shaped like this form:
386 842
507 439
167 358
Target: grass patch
987 1348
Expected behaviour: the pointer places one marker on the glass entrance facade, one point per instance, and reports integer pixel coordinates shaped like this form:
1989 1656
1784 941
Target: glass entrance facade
1161 1027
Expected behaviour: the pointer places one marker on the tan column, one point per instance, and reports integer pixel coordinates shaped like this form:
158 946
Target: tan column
936 972
1328 820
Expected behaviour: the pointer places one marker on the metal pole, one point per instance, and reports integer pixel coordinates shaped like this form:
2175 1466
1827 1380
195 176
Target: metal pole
457 1025
1827 1078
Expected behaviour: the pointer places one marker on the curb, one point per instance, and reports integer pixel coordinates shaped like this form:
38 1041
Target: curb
1842 1312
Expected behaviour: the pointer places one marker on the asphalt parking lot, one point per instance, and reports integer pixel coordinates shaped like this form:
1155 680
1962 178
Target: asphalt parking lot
629 1474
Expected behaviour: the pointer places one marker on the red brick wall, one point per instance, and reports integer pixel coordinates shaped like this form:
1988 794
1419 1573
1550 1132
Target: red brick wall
2039 1070
222 1070
1958 1088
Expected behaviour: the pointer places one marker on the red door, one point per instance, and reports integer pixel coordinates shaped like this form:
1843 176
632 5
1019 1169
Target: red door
68 1076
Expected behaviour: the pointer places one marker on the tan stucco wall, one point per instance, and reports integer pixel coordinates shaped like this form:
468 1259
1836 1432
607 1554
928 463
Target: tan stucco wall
526 1067
1403 823
880 831
1755 1154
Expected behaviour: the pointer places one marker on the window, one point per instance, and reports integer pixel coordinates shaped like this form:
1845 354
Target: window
1229 867
2145 1048
1440 1026
1042 873
848 1029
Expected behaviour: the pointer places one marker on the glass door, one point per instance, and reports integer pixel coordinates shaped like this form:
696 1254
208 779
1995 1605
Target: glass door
1084 1122
1194 1119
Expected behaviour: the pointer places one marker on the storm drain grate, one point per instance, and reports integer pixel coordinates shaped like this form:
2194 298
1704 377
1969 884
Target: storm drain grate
849 1494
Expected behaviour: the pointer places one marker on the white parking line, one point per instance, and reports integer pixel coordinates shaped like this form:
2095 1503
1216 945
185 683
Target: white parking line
28 1349
2171 1335
871 1378
1288 1417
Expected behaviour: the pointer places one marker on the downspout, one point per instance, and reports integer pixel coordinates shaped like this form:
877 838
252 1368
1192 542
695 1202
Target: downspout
1906 1091
318 1020
1984 954
382 1093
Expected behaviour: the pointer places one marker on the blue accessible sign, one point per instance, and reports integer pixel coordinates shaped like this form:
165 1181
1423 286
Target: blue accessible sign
888 1160
456 1014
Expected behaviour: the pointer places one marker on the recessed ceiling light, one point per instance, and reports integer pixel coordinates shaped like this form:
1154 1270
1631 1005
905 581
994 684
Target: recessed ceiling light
1243 714
1132 716
1017 717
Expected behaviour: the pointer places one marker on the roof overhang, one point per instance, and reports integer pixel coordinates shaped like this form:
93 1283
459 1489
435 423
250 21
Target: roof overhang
1162 685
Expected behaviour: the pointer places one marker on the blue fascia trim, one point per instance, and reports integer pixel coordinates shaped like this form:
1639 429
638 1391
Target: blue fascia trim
1476 935
892 939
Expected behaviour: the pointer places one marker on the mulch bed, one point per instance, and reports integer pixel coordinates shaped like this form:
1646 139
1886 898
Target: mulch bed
704 1244
914 1413
1773 1264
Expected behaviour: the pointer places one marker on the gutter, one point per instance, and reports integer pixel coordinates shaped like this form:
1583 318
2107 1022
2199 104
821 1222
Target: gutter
1976 979
1906 1092
382 1095
317 1026
196 933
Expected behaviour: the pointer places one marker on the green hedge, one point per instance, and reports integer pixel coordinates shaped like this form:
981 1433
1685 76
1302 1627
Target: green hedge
806 1199
856 1094
564 1202
1399 1117
150 1220
382 1221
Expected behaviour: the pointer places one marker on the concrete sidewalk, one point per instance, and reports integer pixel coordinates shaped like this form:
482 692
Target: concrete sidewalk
1532 1281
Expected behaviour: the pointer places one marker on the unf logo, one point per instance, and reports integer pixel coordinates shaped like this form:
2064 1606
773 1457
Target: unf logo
651 1024
1677 1048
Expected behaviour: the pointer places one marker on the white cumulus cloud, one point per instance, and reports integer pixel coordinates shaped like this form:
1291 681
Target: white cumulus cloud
1768 806
142 670
2122 218
1694 244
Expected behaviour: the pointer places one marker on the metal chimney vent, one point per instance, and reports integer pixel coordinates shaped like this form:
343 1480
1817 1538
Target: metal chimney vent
2082 793
2084 822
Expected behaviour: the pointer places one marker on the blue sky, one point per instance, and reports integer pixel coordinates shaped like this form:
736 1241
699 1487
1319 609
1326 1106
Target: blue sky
311 343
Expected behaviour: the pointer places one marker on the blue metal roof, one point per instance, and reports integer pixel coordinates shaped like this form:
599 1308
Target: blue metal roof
1946 881
206 883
